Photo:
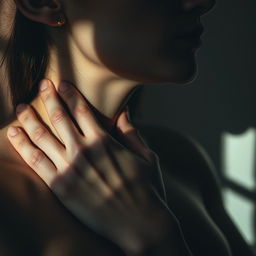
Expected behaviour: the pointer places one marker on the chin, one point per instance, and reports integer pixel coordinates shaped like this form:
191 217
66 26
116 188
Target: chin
183 72
187 75
179 69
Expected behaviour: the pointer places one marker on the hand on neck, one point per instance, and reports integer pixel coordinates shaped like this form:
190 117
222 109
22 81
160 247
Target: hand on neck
106 93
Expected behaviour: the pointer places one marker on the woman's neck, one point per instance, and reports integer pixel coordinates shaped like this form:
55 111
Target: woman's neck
106 93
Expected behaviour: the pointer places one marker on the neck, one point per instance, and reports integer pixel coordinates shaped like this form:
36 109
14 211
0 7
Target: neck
106 93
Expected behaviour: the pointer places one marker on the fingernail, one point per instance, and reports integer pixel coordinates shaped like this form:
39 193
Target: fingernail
21 107
12 131
63 87
44 85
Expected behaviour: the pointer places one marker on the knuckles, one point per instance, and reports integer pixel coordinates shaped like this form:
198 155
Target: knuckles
65 185
24 115
75 150
36 158
39 134
91 176
100 136
46 96
57 116
69 93
21 142
81 109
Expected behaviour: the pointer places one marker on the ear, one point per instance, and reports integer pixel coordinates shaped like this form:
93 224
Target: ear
48 12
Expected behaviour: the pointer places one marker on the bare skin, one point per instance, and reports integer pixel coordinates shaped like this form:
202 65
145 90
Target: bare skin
110 72
207 228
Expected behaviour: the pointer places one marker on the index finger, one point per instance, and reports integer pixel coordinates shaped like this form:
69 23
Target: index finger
34 157
80 109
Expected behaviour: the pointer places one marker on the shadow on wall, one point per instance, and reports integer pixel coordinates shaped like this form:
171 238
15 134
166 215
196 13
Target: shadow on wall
222 100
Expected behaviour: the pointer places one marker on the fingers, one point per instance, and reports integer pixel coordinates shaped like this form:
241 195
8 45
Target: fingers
58 115
40 136
100 170
33 156
65 184
80 110
92 177
132 137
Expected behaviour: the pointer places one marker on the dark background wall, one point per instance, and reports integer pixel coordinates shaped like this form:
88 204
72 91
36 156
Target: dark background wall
223 97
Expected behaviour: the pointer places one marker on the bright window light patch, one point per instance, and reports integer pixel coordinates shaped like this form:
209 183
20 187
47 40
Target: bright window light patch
241 211
238 157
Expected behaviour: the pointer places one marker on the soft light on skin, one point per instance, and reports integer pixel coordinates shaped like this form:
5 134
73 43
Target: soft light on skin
106 92
108 49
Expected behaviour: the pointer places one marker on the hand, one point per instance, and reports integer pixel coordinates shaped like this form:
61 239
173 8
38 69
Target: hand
104 184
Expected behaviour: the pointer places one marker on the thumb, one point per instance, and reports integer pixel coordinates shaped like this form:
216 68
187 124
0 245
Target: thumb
131 135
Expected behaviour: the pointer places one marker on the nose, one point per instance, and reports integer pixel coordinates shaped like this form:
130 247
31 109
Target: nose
199 6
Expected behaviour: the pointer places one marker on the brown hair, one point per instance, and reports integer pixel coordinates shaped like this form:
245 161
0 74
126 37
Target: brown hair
26 58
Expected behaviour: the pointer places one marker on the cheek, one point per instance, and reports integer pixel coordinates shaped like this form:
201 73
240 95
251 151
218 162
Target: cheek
144 57
134 46
147 61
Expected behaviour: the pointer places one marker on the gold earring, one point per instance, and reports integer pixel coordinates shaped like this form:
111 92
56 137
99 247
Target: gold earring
61 20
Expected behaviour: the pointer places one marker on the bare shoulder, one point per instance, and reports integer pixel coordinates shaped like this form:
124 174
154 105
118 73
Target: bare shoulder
181 154
15 193
34 222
